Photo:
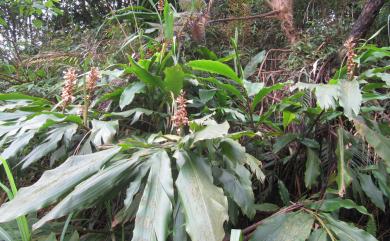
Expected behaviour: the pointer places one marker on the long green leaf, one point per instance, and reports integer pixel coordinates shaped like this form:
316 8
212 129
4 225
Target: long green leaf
215 67
380 143
54 183
89 191
345 231
204 203
285 227
312 168
154 213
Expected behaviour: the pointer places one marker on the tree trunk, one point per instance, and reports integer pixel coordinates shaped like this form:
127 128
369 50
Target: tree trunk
366 18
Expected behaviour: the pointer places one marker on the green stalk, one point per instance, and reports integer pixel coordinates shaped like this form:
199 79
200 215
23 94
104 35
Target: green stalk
66 227
22 220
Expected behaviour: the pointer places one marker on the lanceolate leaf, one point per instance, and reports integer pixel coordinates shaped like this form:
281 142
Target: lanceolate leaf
380 143
251 67
204 203
347 232
54 183
212 131
50 143
318 235
312 168
129 93
285 227
103 132
239 188
215 67
18 144
89 191
372 191
154 212
343 178
254 166
264 92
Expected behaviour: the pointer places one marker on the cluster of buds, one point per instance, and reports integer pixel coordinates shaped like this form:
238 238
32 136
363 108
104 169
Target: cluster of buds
160 5
350 45
92 78
67 91
180 117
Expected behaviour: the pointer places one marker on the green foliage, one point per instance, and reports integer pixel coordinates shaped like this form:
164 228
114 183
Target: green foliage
261 157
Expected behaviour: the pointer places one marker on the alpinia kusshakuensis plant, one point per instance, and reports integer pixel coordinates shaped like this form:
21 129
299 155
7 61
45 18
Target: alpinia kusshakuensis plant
188 185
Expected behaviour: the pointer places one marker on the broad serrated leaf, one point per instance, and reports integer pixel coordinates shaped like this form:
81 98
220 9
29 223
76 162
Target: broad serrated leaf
54 183
350 97
204 203
312 168
285 227
154 213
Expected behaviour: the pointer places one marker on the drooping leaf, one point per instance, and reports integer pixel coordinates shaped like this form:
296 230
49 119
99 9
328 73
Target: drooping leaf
343 177
215 67
174 78
103 132
254 164
283 193
179 227
54 183
283 141
204 203
327 95
312 168
264 92
144 75
18 144
252 88
345 231
285 227
89 191
380 143
239 187
288 117
154 213
212 131
49 144
251 67
129 93
350 97
233 150
318 235
372 190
